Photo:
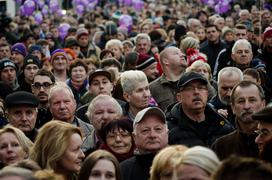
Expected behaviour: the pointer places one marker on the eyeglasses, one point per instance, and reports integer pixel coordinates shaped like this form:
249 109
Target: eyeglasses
45 85
263 132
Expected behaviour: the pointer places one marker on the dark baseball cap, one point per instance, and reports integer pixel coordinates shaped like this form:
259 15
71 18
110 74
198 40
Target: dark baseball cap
264 115
191 76
99 72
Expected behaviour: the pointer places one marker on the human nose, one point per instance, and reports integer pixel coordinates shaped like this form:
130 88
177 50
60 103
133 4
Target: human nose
81 154
258 139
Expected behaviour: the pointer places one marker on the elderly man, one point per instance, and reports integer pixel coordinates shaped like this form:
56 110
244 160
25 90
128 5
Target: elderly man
62 105
143 43
164 89
191 121
135 91
246 99
228 77
42 83
101 111
150 134
22 112
264 129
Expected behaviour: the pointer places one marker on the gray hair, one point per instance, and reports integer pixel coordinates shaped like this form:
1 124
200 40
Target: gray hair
129 78
101 97
58 86
229 71
142 36
114 42
238 42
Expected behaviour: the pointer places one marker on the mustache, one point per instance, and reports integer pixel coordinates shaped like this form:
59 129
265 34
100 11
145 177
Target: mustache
246 112
197 98
42 94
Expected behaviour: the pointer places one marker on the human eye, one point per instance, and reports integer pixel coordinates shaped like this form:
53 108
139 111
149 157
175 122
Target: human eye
29 112
15 144
3 146
110 175
95 174
252 100
145 131
158 129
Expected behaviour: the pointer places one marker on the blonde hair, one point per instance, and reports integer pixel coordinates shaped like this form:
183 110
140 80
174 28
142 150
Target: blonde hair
24 141
164 159
52 142
197 64
189 42
114 42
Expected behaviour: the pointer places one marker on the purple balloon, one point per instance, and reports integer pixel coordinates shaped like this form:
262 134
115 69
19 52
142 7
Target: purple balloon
138 5
38 18
53 5
22 11
84 2
220 8
125 20
80 9
29 7
45 10
63 29
59 13
91 6
127 2
40 3
18 1
93 1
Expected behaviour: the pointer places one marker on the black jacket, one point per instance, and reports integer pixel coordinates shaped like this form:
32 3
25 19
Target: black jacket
137 167
190 133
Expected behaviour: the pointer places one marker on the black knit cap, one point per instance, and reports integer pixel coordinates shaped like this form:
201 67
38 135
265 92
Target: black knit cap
264 115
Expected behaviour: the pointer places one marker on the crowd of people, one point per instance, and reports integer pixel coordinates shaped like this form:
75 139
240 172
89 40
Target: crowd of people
182 93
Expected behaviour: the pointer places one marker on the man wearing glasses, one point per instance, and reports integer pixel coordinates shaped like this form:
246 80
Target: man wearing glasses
264 131
42 83
192 121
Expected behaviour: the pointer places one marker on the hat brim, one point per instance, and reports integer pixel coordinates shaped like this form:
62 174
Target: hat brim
193 79
99 73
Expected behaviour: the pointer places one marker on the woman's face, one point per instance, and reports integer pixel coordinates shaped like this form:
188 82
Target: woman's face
10 149
73 157
201 34
103 169
203 71
119 141
78 74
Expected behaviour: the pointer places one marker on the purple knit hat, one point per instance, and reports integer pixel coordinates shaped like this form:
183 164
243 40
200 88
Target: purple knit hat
58 52
20 48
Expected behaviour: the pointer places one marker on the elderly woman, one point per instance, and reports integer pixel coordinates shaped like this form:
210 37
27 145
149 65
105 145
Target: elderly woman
14 145
100 165
164 162
117 138
58 148
204 69
78 79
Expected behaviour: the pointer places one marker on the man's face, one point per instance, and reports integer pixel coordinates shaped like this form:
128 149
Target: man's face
151 134
176 59
83 40
62 105
194 96
8 76
242 55
139 97
246 102
5 52
22 117
100 85
41 86
104 112
265 134
225 86
17 58
240 34
60 63
29 71
152 72
78 74
212 34
143 46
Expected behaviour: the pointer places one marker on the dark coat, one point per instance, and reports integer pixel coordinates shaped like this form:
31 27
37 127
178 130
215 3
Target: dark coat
137 167
190 133
163 91
237 143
